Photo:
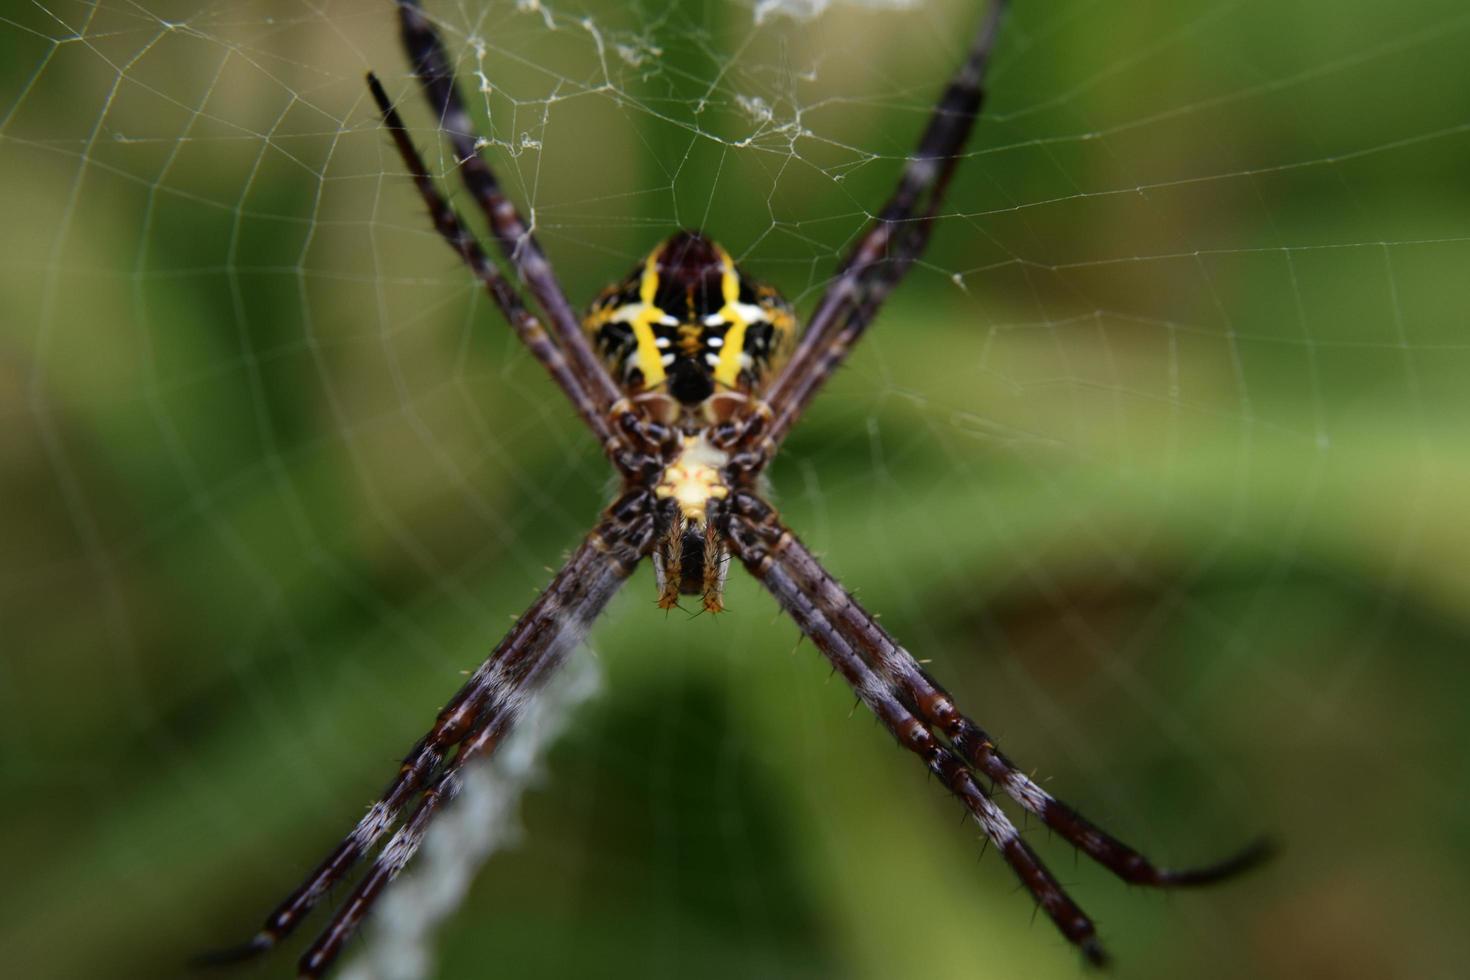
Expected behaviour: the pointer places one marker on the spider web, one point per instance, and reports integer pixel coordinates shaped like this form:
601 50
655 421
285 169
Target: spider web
1159 457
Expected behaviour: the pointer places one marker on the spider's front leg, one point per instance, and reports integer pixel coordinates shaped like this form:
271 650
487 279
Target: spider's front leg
641 446
924 719
888 247
434 66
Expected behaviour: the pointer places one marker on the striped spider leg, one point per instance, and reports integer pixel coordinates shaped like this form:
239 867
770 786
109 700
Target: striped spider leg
892 242
573 384
431 63
471 724
571 361
923 717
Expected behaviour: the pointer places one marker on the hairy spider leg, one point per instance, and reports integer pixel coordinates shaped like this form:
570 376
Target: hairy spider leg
431 64
890 682
936 706
768 553
893 241
525 325
473 723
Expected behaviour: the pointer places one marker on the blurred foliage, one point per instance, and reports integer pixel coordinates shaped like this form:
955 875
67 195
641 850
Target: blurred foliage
1160 457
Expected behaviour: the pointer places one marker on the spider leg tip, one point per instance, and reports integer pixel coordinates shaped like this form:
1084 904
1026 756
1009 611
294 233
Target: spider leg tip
257 944
1253 855
1093 952
1248 858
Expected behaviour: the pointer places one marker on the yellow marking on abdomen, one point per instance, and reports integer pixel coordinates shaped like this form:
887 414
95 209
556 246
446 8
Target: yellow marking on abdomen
650 360
727 371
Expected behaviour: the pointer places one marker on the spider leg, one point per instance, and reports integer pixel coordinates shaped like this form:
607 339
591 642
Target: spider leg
431 63
891 244
494 723
526 326
922 694
473 722
889 680
937 708
780 563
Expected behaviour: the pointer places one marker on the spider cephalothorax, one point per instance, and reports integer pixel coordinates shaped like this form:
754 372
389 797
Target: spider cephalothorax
682 374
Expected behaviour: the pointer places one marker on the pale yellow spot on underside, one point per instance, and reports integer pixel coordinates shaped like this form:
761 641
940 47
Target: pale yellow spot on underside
693 480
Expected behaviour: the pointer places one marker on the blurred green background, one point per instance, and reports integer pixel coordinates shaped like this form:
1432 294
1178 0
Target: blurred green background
1160 458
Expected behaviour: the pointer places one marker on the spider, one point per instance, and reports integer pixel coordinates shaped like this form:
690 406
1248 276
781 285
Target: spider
690 374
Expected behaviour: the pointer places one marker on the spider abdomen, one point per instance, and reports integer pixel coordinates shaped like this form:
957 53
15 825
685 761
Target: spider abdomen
688 323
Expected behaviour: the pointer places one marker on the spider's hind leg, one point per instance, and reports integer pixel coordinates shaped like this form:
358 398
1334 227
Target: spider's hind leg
924 719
